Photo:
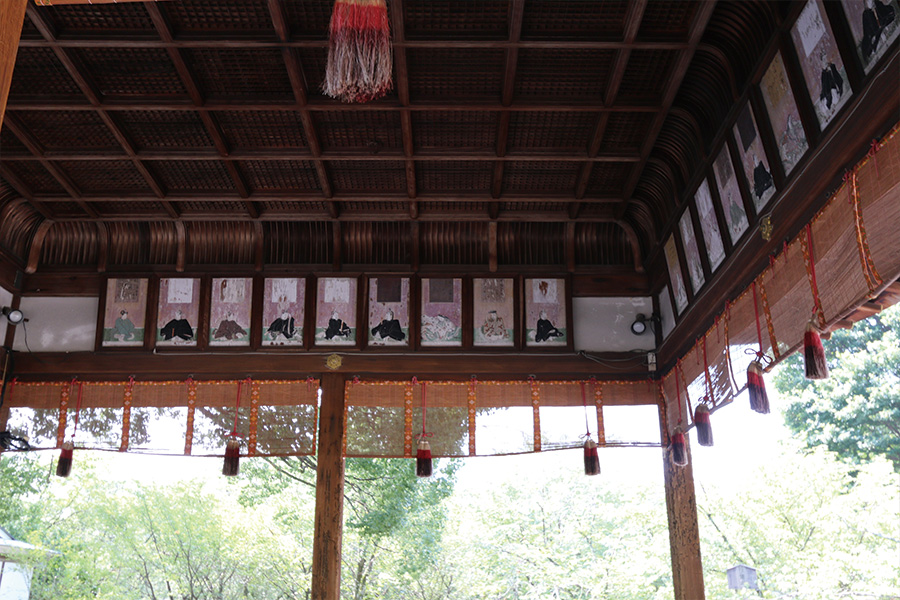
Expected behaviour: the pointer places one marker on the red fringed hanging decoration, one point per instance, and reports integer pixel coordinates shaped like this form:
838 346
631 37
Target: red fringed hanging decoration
232 465
814 361
677 444
591 457
701 413
814 353
703 425
679 450
359 51
66 453
423 448
756 385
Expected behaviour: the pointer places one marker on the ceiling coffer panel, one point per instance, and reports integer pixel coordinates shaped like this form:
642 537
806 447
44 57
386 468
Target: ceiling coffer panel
575 20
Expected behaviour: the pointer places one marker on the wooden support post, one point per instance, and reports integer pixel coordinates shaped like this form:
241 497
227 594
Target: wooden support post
12 16
326 565
684 535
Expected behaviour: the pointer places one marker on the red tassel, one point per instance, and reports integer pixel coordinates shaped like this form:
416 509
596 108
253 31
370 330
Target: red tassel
679 450
64 465
756 386
591 458
423 459
814 354
231 467
360 64
704 427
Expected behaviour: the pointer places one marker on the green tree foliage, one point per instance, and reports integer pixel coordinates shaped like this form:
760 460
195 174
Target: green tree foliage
856 411
812 526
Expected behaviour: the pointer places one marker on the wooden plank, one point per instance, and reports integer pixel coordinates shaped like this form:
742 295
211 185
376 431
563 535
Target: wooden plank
487 364
326 562
684 534
12 16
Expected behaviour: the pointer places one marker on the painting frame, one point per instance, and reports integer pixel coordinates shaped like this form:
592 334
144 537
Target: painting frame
784 115
178 312
820 62
691 251
676 276
441 319
494 312
230 312
709 225
124 317
336 316
284 309
867 31
547 307
755 162
388 311
730 199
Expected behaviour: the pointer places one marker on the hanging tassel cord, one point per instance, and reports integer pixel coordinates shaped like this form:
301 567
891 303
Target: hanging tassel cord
760 355
817 301
237 407
424 434
678 393
77 406
587 427
710 401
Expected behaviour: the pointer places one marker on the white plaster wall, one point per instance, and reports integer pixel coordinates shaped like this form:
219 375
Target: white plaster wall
58 324
666 312
604 324
5 300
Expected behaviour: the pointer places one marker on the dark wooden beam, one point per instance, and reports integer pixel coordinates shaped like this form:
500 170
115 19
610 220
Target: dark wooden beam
329 519
334 155
401 77
12 16
633 17
248 42
488 364
516 14
676 76
260 104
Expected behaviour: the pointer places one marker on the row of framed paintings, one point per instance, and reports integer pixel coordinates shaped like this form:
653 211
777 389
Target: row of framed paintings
342 311
772 118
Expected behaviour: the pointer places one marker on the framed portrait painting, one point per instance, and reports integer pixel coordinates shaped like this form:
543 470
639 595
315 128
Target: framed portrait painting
125 313
388 311
874 24
336 311
284 307
754 162
441 312
545 312
709 226
494 312
229 311
730 196
691 251
783 114
675 277
820 61
179 311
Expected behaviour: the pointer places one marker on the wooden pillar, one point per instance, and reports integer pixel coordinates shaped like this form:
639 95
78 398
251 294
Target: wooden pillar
684 535
326 565
12 16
